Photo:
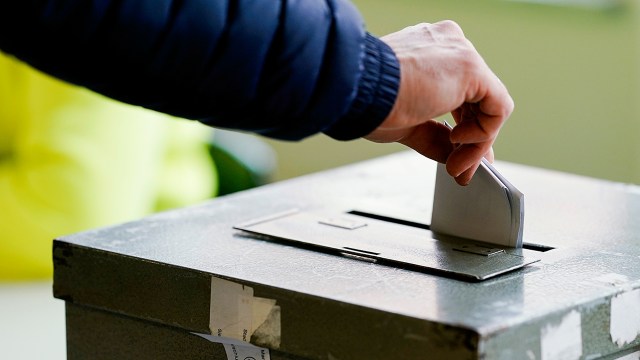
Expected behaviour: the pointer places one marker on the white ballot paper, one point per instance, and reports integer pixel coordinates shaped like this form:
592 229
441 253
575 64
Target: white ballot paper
489 209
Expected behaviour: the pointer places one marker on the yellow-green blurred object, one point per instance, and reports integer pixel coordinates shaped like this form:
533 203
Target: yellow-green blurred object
71 160
572 67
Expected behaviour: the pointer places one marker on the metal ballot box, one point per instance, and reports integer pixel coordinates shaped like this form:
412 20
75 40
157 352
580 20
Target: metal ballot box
166 286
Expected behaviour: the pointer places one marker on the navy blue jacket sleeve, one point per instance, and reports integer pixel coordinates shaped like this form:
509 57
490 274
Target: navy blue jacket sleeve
282 68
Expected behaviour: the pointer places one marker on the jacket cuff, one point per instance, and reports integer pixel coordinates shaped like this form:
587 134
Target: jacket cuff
377 91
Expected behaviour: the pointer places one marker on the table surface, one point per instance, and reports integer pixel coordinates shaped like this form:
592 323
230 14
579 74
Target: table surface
32 324
591 224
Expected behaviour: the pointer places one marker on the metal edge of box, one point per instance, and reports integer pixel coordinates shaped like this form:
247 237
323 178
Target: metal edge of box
312 327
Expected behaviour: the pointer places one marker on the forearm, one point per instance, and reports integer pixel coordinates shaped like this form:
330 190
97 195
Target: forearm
293 73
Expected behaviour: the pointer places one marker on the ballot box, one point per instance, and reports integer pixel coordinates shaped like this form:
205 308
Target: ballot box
186 284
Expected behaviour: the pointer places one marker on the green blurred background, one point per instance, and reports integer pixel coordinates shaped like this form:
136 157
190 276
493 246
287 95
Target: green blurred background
572 67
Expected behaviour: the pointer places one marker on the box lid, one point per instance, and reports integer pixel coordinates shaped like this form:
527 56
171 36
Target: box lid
170 268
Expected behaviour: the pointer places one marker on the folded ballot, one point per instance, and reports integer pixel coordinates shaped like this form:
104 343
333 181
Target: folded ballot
490 209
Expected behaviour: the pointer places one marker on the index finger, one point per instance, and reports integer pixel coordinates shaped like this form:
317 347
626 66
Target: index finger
481 121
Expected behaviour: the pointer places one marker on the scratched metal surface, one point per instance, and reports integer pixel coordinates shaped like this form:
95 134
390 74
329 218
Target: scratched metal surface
593 225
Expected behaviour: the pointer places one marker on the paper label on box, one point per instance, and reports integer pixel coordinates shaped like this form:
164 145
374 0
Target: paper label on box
238 350
236 314
243 352
231 310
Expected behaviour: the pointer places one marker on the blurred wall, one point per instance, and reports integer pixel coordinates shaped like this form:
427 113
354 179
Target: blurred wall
572 67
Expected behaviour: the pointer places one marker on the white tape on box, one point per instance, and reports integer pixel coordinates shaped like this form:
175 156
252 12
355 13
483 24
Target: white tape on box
235 313
231 310
625 317
562 341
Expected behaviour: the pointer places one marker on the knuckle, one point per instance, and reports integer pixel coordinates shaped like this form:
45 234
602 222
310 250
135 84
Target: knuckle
510 106
421 27
450 25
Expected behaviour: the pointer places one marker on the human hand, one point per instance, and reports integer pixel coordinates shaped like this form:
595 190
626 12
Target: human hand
441 72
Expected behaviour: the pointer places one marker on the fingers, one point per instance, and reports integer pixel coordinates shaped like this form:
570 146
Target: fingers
480 128
477 126
490 156
465 178
441 72
481 121
431 139
464 157
464 160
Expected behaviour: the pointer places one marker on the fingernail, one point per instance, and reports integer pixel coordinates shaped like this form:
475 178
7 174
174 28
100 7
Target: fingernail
462 183
456 175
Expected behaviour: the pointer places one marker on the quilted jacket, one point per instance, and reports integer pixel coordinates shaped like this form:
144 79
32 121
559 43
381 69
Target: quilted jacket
285 69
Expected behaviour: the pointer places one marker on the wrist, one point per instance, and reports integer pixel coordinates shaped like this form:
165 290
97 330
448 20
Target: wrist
377 91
